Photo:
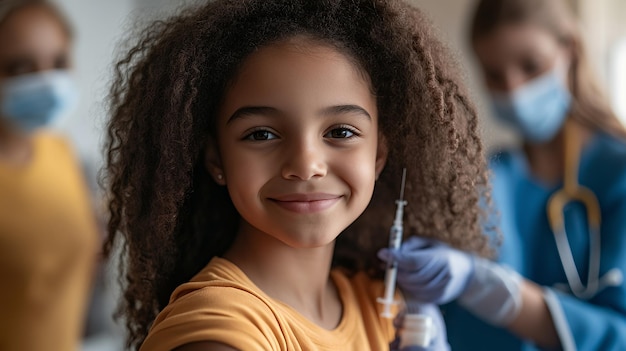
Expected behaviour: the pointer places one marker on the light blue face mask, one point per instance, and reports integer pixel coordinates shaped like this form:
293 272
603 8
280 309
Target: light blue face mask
36 100
537 109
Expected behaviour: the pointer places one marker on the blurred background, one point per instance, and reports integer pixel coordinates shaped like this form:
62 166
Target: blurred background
101 27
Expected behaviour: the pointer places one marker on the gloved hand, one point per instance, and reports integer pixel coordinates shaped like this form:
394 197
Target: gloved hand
430 271
439 341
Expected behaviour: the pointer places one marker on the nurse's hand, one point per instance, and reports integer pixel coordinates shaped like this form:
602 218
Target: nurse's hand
430 271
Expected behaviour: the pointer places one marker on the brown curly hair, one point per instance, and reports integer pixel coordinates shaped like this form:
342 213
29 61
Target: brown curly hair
173 218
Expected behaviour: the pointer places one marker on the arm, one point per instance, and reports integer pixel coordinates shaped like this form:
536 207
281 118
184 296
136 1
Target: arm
534 321
598 323
548 318
498 295
234 317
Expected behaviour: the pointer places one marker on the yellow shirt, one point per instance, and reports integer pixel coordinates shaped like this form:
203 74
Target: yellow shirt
221 304
48 241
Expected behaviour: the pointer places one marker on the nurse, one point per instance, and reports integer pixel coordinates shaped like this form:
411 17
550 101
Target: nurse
48 234
553 286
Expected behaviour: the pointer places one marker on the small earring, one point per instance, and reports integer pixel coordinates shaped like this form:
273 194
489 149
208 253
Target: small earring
220 176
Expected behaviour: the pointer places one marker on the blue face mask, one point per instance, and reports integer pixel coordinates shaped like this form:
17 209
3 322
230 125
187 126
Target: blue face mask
537 109
36 100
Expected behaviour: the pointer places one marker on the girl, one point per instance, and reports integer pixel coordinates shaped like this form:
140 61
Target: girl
564 287
48 232
246 136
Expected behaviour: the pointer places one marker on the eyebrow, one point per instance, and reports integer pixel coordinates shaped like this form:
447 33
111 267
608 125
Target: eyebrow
345 109
327 111
250 111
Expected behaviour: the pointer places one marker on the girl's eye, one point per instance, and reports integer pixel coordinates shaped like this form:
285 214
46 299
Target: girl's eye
341 133
260 135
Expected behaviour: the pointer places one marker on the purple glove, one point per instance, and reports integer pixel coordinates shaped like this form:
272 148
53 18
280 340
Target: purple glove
430 271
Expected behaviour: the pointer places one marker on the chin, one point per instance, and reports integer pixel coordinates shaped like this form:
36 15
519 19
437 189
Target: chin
310 240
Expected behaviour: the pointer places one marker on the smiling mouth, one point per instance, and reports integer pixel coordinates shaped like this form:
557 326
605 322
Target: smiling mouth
306 203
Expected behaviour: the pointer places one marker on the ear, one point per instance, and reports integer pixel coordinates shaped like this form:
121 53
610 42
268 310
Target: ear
213 162
382 150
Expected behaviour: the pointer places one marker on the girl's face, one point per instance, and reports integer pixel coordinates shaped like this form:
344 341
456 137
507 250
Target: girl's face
298 143
512 55
32 40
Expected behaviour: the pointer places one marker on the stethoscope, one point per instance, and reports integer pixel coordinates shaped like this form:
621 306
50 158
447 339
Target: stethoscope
572 191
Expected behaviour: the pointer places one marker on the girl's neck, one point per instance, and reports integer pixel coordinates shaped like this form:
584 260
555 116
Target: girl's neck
299 278
546 161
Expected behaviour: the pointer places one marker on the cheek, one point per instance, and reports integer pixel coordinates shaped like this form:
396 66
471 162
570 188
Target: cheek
245 171
359 170
564 67
244 183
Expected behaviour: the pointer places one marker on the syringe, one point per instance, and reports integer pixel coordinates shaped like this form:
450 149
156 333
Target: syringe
395 239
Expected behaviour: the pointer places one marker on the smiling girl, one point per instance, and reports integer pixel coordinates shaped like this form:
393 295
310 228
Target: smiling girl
255 150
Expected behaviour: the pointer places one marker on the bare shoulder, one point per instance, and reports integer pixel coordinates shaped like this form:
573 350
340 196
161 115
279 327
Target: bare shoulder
205 346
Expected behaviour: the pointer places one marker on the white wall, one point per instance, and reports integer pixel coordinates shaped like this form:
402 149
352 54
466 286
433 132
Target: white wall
604 29
98 25
148 9
617 66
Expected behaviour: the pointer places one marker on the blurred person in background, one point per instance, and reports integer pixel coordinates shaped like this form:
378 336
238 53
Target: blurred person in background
48 231
561 198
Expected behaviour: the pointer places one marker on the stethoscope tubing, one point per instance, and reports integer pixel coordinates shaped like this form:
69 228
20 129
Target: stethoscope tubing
567 260
574 192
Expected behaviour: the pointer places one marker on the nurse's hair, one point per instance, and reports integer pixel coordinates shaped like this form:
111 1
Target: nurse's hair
171 218
9 7
591 106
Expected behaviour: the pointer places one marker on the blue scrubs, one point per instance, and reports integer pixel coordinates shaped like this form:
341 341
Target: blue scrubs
528 246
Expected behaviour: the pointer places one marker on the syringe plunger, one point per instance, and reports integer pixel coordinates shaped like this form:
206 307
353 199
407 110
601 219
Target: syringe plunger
395 240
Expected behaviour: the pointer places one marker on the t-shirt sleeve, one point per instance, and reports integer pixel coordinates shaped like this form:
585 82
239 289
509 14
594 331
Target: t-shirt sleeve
221 314
367 293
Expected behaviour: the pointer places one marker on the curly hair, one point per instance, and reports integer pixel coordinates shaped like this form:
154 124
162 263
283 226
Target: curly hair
172 218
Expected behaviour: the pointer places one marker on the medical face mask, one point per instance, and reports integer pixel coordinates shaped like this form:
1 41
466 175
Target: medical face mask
536 109
36 100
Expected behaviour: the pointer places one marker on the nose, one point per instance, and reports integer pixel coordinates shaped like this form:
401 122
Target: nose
512 80
304 160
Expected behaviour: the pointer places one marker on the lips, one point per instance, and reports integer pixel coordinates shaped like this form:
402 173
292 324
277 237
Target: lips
306 203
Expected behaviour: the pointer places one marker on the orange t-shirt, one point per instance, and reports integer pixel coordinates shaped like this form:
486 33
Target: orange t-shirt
48 243
221 304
